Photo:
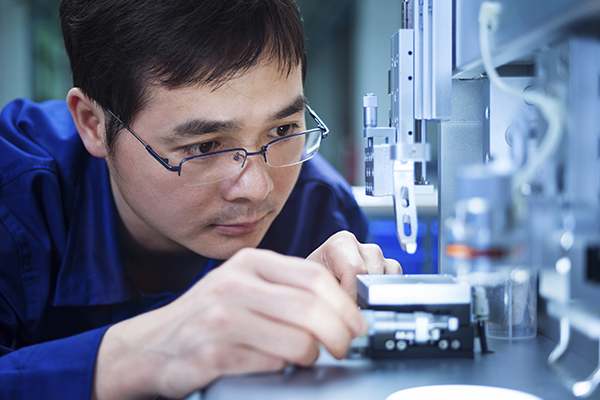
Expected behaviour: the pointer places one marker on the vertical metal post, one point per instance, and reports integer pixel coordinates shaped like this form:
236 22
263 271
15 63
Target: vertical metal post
421 167
460 144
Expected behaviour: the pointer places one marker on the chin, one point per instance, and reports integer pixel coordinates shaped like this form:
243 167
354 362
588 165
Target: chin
225 247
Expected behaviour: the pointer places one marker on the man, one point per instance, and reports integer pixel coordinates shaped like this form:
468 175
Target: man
178 146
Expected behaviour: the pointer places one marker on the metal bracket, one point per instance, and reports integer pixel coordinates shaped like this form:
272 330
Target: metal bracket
405 207
584 322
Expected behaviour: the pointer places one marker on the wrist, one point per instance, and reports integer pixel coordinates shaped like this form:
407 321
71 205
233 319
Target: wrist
125 367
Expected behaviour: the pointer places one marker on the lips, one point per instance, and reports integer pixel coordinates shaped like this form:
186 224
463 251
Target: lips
236 229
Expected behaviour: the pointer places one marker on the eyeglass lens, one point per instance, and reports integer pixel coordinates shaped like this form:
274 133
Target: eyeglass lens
219 166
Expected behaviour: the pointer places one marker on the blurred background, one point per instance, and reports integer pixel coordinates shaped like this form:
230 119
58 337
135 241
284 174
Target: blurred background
348 56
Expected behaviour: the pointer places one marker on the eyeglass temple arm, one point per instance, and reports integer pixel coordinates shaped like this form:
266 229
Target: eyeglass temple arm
163 161
320 122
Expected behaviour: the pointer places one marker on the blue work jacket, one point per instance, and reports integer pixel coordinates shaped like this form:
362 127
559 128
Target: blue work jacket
62 279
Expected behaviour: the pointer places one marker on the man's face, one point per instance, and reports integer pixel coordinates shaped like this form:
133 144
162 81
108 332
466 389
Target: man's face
217 219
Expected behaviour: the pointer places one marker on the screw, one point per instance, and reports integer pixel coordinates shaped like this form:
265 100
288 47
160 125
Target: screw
401 345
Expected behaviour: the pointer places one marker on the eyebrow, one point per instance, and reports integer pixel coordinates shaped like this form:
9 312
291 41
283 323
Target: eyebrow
294 108
200 126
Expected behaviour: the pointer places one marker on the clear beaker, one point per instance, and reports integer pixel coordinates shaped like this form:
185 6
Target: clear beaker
512 297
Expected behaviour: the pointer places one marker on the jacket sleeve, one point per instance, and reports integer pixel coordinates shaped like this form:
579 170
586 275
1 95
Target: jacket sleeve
45 352
61 369
58 369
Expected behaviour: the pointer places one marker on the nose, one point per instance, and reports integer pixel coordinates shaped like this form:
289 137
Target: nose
253 183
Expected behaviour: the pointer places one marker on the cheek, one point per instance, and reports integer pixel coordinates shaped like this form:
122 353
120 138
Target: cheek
179 205
284 179
157 195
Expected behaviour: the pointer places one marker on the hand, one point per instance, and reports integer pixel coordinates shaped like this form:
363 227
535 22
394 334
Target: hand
256 312
346 257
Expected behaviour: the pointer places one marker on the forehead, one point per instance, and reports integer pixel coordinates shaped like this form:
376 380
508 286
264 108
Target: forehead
255 94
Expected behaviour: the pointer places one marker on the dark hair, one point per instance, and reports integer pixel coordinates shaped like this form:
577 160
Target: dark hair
117 48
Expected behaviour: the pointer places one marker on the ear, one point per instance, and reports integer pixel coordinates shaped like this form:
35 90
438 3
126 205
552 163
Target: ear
89 120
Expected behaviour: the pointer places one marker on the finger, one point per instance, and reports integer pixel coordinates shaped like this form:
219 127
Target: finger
392 267
307 310
348 282
307 314
341 256
347 262
376 262
353 258
373 258
310 276
236 325
295 291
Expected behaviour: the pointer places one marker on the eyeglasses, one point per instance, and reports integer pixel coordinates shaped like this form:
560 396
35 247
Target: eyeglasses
220 165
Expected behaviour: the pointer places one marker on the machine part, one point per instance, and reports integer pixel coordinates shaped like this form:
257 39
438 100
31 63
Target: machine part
593 264
433 59
402 118
390 167
406 214
415 152
550 107
418 327
422 314
379 167
461 143
484 232
421 167
567 154
481 307
577 316
481 313
412 334
370 110
389 291
402 86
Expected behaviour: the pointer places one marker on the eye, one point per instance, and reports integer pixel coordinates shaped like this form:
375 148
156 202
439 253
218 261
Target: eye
204 148
285 130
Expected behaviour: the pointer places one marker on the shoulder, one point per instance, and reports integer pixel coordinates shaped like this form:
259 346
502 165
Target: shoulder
37 137
42 160
35 141
320 205
317 175
34 120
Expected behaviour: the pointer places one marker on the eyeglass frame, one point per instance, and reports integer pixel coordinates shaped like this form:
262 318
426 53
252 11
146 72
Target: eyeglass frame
263 150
